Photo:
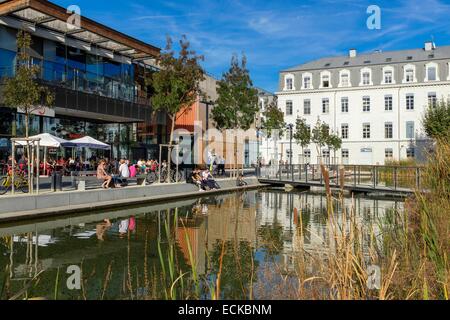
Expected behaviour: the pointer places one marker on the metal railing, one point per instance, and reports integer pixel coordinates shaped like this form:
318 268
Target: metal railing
396 178
120 87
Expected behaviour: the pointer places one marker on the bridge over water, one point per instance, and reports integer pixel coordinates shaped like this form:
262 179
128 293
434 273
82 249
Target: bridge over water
395 180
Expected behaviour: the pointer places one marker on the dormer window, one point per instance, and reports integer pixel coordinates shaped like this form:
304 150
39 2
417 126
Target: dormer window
448 77
307 81
410 74
289 82
388 75
366 77
344 78
431 72
325 81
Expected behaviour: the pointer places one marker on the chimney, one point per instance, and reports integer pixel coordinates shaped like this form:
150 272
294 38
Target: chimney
352 53
429 46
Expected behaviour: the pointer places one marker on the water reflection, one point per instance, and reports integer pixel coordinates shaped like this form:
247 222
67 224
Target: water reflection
129 253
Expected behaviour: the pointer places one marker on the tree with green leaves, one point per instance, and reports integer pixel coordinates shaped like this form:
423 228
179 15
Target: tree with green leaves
334 143
302 133
273 119
237 103
177 85
320 136
23 92
436 121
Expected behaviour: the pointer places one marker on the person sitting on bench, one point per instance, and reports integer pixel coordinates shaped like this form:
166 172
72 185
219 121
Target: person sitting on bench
197 180
241 182
124 172
209 181
102 175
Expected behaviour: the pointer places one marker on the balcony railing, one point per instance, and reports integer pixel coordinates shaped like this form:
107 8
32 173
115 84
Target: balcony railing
75 91
60 75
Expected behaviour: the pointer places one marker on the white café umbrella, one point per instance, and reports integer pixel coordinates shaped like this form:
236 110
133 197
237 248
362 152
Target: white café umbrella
48 141
89 142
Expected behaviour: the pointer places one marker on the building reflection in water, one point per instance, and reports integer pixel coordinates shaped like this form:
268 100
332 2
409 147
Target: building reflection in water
264 226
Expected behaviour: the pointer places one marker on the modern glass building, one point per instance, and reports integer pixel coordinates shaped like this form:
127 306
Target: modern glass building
96 73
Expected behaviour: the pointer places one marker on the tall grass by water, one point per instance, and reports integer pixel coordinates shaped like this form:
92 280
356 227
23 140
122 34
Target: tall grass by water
409 247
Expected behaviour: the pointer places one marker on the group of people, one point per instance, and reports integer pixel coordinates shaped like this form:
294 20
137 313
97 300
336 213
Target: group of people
121 227
116 173
216 164
204 180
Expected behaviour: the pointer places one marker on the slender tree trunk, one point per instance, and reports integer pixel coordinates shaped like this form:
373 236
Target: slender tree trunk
27 150
235 157
27 119
172 129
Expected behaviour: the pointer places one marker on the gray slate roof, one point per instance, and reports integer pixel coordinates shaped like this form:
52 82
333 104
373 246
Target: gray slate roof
375 58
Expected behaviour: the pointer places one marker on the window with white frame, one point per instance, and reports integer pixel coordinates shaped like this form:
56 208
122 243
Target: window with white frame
344 105
411 153
289 82
432 99
344 79
344 131
366 77
410 130
432 72
345 156
388 75
289 108
366 131
410 101
307 107
410 74
307 81
388 102
307 155
448 68
325 105
366 104
325 80
388 130
389 153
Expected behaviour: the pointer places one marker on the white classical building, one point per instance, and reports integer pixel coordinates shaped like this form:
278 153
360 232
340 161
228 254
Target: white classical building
375 102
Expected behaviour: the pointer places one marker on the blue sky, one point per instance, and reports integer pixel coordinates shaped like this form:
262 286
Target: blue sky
274 35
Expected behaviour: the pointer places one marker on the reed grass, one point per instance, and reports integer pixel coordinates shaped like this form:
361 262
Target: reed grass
410 247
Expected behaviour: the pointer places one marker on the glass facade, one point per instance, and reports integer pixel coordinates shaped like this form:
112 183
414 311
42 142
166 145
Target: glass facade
78 70
72 68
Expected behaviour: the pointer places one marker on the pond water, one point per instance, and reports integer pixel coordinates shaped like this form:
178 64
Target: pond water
248 240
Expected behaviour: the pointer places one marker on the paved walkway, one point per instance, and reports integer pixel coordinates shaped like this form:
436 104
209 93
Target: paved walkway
16 208
45 184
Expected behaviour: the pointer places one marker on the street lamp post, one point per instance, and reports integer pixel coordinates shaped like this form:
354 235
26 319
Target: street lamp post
290 127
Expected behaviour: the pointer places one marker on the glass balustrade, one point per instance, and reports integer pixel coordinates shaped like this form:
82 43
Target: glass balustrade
63 75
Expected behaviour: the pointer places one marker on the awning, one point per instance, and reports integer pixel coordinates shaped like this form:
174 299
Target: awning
89 142
42 13
47 140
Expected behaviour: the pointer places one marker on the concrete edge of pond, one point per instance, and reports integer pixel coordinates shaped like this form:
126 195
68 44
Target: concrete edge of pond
20 208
